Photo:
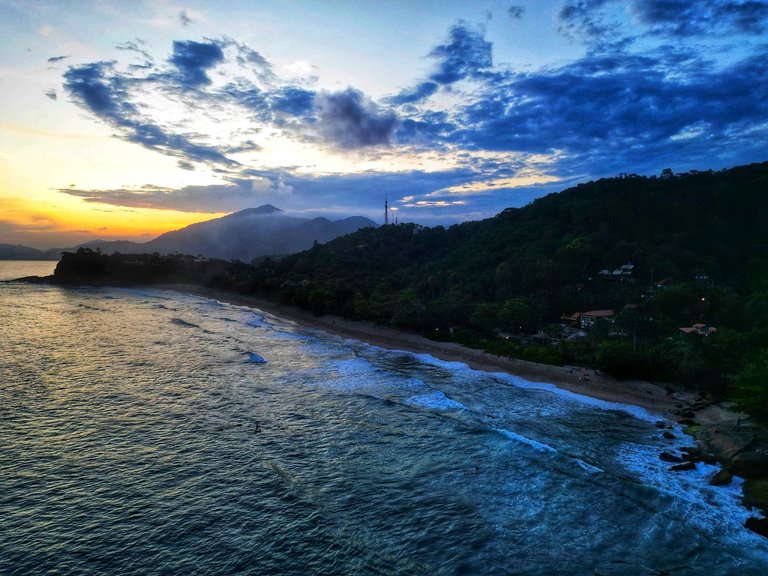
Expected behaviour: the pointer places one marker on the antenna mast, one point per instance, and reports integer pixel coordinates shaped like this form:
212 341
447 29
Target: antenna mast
386 210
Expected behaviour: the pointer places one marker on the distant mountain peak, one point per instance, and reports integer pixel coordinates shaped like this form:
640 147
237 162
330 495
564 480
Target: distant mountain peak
265 209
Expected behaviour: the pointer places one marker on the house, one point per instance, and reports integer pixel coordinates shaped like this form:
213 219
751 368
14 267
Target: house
700 329
588 319
621 272
571 318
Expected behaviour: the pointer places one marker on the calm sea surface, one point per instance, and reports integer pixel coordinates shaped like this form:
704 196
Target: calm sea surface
11 269
150 432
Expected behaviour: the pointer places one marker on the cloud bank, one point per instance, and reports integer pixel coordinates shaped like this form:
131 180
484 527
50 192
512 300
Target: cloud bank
646 93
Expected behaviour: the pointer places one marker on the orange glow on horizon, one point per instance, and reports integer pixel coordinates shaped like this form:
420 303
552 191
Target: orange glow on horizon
30 223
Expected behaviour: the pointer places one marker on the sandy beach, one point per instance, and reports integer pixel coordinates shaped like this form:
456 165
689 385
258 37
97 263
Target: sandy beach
653 397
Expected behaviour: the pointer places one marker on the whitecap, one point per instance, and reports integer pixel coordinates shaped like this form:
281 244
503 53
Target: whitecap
588 467
350 374
535 444
257 321
519 382
433 361
435 400
713 509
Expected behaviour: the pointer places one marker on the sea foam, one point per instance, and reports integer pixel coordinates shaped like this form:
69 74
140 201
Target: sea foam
435 400
520 382
716 510
535 444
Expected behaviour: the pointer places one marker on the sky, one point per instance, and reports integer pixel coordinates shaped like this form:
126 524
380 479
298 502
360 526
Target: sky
123 120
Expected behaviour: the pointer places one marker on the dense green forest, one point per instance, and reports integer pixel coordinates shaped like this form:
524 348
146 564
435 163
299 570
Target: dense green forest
694 251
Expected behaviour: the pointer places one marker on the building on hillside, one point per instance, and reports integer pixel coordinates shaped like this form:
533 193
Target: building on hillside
587 319
623 271
700 329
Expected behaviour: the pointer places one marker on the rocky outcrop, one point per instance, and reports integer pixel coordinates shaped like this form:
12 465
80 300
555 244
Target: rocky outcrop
667 457
725 441
758 525
683 467
756 494
750 465
721 478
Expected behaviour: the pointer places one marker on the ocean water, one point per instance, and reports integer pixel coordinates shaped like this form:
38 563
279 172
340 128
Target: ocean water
11 269
150 432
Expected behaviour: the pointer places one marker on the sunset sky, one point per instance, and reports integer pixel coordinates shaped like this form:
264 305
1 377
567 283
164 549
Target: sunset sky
122 120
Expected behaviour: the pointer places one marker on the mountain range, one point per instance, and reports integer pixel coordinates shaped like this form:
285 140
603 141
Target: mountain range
244 235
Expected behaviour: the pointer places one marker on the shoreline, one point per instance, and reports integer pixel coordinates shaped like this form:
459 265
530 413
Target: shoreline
718 433
585 381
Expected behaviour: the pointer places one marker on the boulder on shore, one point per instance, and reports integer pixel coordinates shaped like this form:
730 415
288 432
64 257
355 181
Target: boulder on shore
724 441
756 494
757 525
667 457
753 465
683 467
721 478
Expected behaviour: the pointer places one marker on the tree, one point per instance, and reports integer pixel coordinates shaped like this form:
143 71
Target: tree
751 388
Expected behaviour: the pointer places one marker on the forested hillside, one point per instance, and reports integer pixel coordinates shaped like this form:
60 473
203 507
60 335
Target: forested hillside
664 278
697 244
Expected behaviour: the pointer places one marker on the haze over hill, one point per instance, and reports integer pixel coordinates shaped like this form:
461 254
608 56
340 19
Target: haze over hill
243 235
254 232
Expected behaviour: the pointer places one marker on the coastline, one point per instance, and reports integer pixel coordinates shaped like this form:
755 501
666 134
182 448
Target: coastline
740 450
585 381
720 438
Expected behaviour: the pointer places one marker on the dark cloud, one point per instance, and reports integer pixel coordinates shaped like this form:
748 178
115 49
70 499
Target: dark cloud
184 18
415 94
582 20
155 137
425 129
337 195
207 199
684 18
610 111
252 99
516 12
54 59
247 55
51 94
292 100
466 53
614 110
136 46
244 146
98 88
349 194
193 60
349 120
587 21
